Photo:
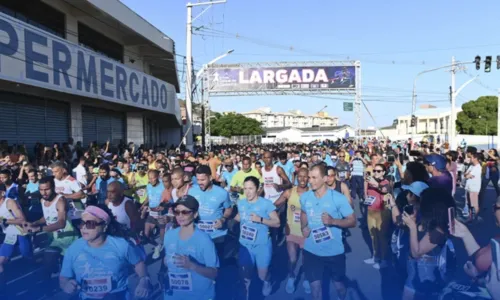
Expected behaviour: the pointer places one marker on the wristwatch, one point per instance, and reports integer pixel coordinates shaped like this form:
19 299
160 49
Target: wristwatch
41 228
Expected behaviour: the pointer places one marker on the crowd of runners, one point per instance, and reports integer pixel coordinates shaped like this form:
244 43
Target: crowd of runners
100 205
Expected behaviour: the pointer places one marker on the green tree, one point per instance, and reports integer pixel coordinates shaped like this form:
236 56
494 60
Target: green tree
232 124
479 116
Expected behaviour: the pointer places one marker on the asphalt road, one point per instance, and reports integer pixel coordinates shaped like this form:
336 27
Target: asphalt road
366 282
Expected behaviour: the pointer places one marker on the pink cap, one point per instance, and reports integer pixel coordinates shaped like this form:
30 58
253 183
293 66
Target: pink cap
98 213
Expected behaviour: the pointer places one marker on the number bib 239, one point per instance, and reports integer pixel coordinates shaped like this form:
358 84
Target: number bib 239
180 281
97 288
321 234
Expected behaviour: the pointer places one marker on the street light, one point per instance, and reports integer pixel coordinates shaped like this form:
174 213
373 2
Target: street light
453 93
204 104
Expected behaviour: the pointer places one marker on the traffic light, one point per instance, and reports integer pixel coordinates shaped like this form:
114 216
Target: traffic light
477 61
413 121
487 64
498 62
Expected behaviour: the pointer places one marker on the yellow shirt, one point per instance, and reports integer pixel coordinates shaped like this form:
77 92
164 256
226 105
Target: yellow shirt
240 177
293 213
141 181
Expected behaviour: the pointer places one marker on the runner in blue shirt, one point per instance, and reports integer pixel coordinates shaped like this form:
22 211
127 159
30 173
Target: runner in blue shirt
190 256
228 172
215 208
97 265
324 213
157 210
103 181
287 165
255 215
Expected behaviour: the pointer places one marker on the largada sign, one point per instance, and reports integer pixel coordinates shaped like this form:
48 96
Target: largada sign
224 78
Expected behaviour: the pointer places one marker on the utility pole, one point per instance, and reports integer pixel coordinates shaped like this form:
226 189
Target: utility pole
189 62
453 100
498 121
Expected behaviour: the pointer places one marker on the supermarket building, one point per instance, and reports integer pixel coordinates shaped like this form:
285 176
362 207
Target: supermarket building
89 69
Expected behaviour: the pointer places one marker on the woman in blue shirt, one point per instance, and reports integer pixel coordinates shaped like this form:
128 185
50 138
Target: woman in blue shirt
255 215
190 256
97 265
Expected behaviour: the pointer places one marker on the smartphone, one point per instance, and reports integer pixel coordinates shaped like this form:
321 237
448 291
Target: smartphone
451 219
391 158
368 173
495 251
409 209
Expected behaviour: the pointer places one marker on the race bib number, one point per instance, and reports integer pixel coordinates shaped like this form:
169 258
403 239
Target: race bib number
321 234
154 214
180 281
10 239
141 192
97 288
296 217
248 233
370 200
207 226
342 174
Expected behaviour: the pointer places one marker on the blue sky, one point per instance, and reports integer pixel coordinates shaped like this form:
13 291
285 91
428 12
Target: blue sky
393 39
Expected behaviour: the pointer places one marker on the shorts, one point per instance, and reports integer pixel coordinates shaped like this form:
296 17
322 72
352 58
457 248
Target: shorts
419 273
260 255
296 240
62 243
157 221
315 266
24 244
219 243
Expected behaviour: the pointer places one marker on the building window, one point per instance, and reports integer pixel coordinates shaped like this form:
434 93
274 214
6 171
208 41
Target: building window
38 14
89 38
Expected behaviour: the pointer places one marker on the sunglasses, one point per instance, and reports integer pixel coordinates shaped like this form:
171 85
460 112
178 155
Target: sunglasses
342 156
228 166
182 212
90 224
496 207
378 171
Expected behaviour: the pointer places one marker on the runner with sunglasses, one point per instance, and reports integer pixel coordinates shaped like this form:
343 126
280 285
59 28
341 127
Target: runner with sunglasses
255 215
190 256
97 265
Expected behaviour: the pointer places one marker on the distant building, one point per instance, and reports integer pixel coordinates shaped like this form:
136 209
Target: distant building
430 120
292 118
306 135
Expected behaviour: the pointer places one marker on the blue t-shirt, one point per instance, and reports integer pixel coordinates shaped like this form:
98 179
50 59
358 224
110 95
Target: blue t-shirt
289 168
101 270
32 187
187 284
328 160
154 194
228 176
324 241
252 233
212 204
12 192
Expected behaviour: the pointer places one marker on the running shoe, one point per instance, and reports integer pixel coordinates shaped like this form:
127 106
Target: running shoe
267 288
157 252
290 285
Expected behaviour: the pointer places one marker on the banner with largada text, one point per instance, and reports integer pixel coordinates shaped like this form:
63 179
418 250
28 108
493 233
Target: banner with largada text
234 79
32 56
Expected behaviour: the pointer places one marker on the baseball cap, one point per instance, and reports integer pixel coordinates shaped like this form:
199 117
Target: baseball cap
189 202
416 187
436 160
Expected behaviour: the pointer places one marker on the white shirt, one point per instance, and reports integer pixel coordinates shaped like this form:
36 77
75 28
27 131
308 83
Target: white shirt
474 184
80 174
69 185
